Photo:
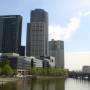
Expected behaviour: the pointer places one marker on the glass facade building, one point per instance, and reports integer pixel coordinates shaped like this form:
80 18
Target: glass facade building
10 33
16 62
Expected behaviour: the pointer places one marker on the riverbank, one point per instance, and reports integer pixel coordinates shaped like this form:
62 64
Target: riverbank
7 79
39 77
11 79
50 77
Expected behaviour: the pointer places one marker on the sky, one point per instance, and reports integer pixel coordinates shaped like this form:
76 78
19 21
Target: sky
68 20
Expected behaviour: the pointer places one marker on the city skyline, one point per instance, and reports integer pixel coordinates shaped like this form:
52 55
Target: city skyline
72 22
68 21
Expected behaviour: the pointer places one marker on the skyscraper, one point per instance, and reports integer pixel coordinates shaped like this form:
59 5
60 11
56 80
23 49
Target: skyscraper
28 40
10 33
37 34
56 49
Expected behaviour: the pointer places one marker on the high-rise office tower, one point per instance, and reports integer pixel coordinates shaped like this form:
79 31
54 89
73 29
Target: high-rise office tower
10 33
28 40
37 34
56 49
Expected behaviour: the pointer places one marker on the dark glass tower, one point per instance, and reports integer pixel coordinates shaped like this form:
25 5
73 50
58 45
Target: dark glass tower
28 40
10 33
37 34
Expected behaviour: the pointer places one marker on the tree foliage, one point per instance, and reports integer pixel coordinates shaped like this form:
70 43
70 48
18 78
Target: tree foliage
7 70
49 71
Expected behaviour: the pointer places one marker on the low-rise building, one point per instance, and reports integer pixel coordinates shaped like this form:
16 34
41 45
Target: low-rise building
23 64
43 61
35 62
16 62
86 69
48 61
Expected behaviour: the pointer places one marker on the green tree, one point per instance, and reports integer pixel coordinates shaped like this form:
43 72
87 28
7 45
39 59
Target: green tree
7 70
49 71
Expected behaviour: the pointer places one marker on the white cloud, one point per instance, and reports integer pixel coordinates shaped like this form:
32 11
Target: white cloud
86 13
85 3
79 6
59 32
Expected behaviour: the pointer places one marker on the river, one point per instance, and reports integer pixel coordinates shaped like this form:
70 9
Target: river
59 84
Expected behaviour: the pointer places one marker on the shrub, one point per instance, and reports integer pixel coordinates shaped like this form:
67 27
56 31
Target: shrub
7 70
49 71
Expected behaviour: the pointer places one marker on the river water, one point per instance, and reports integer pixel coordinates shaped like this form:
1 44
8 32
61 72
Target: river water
59 84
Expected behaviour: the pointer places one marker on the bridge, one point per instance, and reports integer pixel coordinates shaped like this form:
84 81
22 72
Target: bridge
81 75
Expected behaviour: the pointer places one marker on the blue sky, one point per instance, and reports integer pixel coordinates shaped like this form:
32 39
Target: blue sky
68 20
60 14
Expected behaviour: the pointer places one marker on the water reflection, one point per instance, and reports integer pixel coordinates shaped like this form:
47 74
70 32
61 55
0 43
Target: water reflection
8 86
58 84
77 84
35 85
48 85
